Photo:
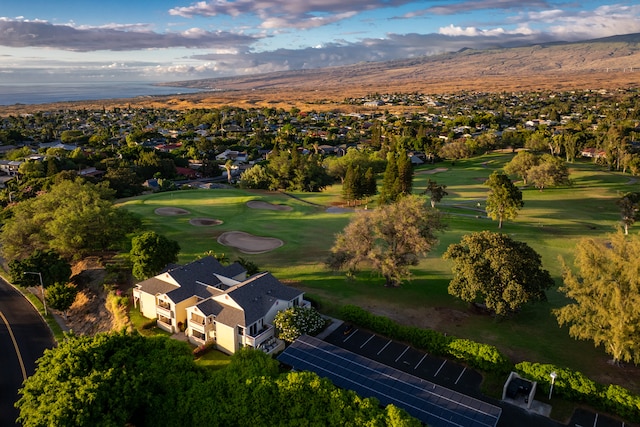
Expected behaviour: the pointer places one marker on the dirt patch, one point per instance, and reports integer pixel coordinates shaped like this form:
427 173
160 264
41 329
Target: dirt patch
258 204
171 211
88 315
204 222
248 243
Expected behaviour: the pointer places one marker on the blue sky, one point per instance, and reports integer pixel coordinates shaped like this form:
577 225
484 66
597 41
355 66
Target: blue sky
163 40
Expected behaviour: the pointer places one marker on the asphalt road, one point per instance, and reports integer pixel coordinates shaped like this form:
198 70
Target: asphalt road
23 338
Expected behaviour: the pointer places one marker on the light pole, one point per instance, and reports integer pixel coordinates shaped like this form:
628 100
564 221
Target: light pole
44 301
553 376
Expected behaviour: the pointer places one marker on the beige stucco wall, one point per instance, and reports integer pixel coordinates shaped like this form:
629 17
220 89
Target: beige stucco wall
226 338
181 310
147 305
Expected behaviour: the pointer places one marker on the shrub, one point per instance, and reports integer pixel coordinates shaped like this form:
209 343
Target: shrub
296 321
480 356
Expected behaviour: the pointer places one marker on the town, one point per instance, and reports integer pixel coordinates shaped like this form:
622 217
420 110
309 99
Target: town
57 161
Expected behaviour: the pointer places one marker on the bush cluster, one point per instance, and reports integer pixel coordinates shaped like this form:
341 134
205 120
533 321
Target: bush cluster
569 384
575 386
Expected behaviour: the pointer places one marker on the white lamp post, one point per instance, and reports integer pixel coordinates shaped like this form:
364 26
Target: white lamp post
44 301
553 376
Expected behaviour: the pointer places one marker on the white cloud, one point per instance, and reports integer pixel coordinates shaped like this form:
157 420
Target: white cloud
126 37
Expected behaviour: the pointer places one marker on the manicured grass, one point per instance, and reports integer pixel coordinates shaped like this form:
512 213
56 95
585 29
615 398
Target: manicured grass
214 360
552 222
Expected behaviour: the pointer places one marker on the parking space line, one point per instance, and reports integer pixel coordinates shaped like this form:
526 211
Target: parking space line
350 335
438 371
385 346
595 422
460 376
423 357
370 338
405 350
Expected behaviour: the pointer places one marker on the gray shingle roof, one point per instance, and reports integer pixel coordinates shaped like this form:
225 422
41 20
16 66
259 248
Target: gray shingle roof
258 294
156 286
195 276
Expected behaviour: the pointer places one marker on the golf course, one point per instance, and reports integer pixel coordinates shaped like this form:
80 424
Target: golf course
291 234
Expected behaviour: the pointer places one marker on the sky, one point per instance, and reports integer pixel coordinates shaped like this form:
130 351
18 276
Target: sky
173 40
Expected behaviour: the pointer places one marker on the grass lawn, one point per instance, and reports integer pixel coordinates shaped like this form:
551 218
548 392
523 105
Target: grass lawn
551 222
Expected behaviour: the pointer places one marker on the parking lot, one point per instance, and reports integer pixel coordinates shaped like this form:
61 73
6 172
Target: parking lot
451 375
407 359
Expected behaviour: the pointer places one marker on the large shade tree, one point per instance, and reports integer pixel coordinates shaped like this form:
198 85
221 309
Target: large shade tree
504 199
605 294
72 218
497 271
391 238
109 380
151 252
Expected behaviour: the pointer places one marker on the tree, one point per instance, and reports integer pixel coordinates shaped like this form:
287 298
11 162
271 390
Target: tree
296 321
61 296
151 252
629 205
53 268
549 172
500 272
72 218
228 165
521 164
504 199
436 191
397 178
391 238
111 379
605 294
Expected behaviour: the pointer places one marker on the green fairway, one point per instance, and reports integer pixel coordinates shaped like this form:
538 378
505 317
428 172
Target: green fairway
551 222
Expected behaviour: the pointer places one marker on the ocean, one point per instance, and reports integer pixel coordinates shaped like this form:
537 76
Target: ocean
42 93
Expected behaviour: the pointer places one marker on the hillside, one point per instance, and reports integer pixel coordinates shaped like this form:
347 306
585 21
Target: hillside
609 63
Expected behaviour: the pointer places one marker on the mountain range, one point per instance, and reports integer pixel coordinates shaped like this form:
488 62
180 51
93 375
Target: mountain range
599 63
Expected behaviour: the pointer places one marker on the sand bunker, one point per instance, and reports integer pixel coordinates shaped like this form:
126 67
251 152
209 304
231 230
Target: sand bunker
171 211
248 243
204 222
258 204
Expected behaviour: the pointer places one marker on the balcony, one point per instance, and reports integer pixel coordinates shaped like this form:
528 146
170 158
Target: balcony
201 326
262 335
164 309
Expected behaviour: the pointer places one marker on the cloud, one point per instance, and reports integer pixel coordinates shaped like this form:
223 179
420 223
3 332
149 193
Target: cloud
451 8
604 21
286 13
20 33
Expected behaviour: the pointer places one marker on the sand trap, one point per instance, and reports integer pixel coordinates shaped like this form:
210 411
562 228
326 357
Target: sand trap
258 204
248 243
171 211
204 222
432 171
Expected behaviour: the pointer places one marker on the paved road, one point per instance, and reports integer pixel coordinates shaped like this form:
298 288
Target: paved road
23 338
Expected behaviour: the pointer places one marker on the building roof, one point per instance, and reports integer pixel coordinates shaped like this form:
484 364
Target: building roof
155 286
258 294
199 278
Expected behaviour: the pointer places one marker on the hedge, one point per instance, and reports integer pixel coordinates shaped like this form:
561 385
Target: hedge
575 386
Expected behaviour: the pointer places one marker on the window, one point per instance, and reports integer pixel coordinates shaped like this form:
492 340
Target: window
240 330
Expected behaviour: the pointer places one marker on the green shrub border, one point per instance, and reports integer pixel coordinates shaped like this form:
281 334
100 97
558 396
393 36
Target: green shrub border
569 384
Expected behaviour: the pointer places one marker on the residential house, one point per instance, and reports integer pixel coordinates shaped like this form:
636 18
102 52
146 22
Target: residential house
215 303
